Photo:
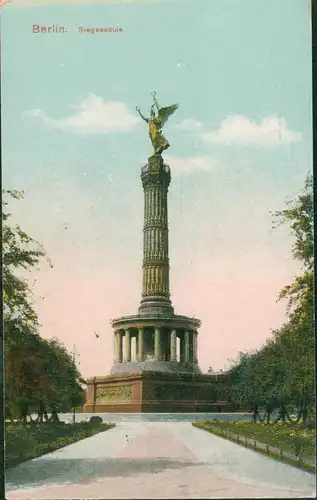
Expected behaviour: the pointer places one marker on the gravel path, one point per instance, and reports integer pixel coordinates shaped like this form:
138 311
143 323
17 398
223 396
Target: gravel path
156 460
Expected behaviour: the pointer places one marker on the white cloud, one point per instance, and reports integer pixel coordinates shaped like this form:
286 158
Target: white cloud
190 125
240 130
190 165
93 115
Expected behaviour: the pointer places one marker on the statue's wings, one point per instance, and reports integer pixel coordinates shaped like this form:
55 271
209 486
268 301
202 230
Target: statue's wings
165 113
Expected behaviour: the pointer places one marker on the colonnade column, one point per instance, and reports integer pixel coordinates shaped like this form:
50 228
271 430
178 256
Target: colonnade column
182 348
127 345
168 351
173 346
195 337
140 344
187 347
157 344
118 354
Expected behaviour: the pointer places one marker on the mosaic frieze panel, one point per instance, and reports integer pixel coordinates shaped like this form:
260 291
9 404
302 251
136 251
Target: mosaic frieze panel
114 393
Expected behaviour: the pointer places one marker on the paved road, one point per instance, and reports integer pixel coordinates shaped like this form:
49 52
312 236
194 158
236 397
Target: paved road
158 460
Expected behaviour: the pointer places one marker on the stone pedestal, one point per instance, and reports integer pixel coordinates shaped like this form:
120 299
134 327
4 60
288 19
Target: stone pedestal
159 393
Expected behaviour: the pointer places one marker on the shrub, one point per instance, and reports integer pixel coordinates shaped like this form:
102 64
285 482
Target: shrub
95 420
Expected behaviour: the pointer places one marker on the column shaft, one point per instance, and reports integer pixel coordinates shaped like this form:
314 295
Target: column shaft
187 347
140 344
116 351
136 348
195 347
127 345
119 346
191 347
173 345
182 348
157 344
155 229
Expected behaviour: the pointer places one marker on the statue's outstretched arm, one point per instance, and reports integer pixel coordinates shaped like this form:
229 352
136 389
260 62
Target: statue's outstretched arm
156 103
143 117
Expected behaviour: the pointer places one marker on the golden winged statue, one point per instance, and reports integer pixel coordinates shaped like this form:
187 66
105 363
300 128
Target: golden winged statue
156 123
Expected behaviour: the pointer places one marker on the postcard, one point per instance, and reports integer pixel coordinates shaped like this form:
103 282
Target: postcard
158 249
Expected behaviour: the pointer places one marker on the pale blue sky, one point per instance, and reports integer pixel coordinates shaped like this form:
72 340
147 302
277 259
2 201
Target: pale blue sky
83 197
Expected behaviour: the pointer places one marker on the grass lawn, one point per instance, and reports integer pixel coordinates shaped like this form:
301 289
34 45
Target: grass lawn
286 437
25 443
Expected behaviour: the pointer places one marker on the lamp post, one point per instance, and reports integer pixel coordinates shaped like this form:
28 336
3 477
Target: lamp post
74 361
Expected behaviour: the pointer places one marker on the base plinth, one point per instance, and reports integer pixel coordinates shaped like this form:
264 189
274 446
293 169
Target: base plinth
139 367
156 306
158 393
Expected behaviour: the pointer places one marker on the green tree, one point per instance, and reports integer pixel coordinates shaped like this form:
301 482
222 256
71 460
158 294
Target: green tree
19 252
66 390
282 372
299 215
40 375
245 378
300 353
